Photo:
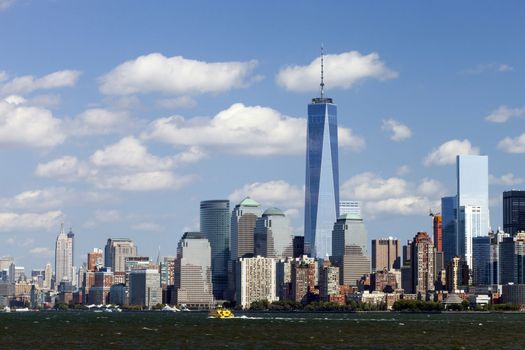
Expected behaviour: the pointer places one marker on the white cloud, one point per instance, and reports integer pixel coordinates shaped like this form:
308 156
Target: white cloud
403 170
99 121
10 221
341 71
4 4
45 100
147 226
178 75
143 181
508 179
107 216
42 251
489 67
447 152
241 129
67 168
29 83
192 155
392 195
129 153
399 131
504 113
513 145
177 102
25 126
277 193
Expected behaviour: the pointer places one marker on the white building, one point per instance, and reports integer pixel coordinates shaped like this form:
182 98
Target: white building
256 280
64 256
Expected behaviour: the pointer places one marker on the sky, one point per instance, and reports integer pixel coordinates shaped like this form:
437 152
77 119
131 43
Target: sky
118 117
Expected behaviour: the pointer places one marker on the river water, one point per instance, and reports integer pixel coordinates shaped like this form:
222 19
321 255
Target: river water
194 330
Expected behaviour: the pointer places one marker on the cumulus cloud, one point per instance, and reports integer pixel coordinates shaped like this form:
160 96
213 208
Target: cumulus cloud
341 71
129 152
513 145
29 83
143 181
392 195
26 126
276 193
508 179
192 155
99 121
177 75
447 152
67 168
259 131
11 221
399 131
504 113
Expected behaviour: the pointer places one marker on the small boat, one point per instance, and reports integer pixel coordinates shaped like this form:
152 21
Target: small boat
221 312
6 309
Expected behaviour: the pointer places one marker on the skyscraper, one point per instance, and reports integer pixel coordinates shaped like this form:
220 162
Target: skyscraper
449 226
473 202
215 224
193 275
273 235
64 256
321 207
437 223
95 259
350 207
255 281
513 211
422 263
116 251
243 221
481 260
385 254
144 287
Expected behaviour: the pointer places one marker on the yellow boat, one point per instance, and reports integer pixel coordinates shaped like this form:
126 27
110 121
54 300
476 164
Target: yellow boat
221 312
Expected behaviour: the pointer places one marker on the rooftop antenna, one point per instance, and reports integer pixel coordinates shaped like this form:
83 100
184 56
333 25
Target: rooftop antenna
322 71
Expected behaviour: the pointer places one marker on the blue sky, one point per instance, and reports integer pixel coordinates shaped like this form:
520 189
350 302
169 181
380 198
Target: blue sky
118 117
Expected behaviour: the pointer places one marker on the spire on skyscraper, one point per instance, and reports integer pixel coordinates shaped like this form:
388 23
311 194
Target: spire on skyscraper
322 71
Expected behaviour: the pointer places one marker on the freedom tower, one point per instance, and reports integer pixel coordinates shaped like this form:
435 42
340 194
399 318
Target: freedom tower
321 203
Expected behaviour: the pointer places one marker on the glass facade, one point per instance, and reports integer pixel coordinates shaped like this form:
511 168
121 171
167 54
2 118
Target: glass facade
215 224
513 211
322 177
481 261
450 237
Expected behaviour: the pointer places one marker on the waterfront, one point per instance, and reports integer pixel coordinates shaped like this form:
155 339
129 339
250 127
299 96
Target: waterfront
156 330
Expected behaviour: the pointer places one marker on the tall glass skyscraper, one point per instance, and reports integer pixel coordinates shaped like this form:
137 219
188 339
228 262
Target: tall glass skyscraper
215 224
321 207
450 217
473 202
513 211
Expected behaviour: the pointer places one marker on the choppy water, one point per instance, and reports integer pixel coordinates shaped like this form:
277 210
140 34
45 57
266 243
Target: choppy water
156 330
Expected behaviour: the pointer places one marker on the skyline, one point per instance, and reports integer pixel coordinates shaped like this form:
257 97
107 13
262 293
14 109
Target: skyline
421 103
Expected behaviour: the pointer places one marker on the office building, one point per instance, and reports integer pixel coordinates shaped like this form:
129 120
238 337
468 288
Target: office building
48 276
115 253
321 207
350 207
385 254
64 256
513 211
99 290
255 281
215 223
457 275
193 275
95 259
349 247
422 263
481 261
473 202
144 288
298 246
449 214
273 235
244 217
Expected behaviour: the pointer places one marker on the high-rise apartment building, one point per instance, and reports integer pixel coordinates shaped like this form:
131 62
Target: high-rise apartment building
385 254
273 235
244 217
215 223
349 247
193 274
437 225
95 259
303 278
48 276
64 256
513 211
473 202
255 281
321 207
422 263
116 251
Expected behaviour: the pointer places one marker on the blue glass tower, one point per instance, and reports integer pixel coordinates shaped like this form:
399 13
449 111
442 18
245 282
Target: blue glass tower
321 207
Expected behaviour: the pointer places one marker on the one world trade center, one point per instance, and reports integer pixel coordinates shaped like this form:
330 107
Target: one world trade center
321 207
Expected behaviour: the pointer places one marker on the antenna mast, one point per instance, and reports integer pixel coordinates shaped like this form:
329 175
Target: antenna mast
322 71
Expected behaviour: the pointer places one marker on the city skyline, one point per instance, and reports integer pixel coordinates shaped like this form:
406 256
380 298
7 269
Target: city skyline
114 153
